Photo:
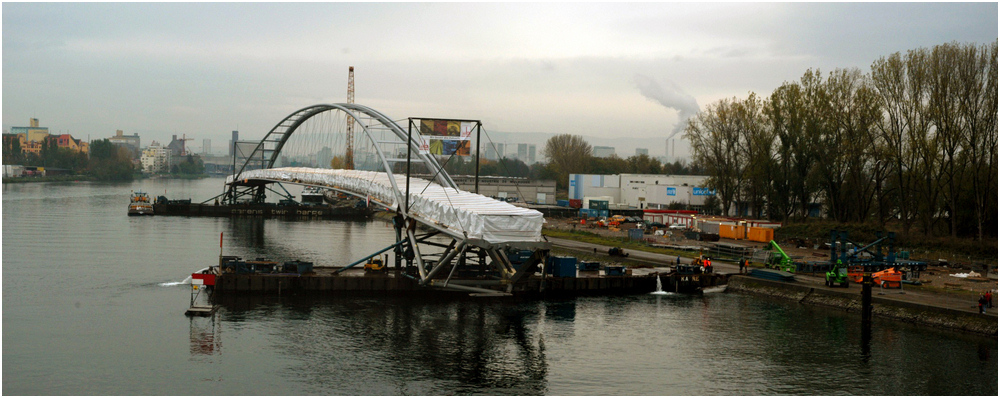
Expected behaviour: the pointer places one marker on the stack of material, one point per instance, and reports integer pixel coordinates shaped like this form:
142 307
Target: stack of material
771 274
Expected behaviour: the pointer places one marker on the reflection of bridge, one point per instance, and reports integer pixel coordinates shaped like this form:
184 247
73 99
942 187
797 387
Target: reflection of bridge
481 229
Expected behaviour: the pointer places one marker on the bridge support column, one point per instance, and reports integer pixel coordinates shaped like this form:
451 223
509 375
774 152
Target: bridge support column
446 259
416 253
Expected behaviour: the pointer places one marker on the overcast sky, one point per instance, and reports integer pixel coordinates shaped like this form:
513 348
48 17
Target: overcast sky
594 69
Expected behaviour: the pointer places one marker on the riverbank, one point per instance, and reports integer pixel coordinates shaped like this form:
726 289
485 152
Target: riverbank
84 177
896 308
945 308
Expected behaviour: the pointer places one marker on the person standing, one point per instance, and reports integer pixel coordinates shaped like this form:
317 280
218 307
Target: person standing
982 303
989 299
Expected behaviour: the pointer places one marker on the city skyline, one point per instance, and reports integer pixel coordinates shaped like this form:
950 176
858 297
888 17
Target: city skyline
595 70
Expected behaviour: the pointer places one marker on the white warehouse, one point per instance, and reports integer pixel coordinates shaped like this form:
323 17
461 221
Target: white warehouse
645 191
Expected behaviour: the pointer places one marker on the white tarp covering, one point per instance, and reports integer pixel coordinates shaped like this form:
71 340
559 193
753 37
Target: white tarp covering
464 213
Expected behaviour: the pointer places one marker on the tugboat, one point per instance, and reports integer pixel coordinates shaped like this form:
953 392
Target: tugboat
140 205
312 195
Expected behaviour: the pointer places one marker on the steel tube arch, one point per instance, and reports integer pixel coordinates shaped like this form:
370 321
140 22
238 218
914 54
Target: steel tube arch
283 130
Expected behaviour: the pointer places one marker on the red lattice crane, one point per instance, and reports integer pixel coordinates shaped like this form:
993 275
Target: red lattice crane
349 153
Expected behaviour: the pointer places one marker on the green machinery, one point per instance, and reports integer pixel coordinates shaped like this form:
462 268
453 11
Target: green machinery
781 261
837 275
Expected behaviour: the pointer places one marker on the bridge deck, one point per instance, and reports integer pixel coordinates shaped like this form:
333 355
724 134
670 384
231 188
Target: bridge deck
460 213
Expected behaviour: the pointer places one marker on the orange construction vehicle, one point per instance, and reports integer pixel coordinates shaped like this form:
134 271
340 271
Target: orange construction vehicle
855 273
889 278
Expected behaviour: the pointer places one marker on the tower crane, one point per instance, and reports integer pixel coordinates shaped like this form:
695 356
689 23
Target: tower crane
349 153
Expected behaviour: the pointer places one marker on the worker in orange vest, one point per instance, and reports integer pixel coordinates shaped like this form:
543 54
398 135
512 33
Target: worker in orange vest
708 265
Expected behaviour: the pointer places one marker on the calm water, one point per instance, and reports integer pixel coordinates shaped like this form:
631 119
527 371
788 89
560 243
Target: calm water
89 308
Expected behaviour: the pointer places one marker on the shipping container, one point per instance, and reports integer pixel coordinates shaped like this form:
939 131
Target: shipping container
762 235
562 202
598 204
614 270
575 203
727 231
562 267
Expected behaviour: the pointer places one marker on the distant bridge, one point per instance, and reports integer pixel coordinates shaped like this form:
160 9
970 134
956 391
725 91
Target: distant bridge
481 229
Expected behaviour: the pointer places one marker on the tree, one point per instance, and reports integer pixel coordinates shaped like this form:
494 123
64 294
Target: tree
643 164
110 162
714 135
12 152
569 154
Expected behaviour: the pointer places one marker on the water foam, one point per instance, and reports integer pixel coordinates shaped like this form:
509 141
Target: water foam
186 281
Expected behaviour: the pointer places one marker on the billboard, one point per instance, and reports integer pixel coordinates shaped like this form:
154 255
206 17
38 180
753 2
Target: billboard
445 137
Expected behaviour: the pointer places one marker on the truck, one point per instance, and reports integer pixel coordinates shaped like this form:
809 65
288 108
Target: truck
837 275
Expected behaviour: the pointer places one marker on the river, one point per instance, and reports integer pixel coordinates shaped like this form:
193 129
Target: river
93 305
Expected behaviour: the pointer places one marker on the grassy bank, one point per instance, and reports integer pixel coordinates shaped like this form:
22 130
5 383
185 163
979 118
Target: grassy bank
955 250
624 243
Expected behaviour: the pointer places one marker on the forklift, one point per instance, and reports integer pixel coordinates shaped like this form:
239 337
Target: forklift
376 265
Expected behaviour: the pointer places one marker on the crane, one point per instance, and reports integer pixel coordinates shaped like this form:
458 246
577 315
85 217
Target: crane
183 145
349 153
783 262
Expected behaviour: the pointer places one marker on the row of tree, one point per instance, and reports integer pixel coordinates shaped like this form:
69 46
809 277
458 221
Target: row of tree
567 154
106 161
914 141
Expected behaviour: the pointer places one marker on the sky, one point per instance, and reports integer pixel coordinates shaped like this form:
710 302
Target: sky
626 72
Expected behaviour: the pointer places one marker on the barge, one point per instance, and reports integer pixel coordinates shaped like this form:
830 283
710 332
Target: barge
165 207
264 277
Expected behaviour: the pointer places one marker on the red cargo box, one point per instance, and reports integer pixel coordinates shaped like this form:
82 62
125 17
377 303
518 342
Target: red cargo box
576 203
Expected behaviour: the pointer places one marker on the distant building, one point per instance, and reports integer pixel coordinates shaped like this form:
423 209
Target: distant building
206 146
522 152
232 142
67 141
531 154
32 137
513 189
130 142
603 151
645 191
156 159
33 132
176 146
324 158
641 151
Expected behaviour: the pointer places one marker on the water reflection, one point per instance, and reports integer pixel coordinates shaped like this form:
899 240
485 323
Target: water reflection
204 336
427 346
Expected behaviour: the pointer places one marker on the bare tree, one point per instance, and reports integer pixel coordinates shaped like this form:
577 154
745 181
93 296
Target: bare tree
569 153
714 137
976 77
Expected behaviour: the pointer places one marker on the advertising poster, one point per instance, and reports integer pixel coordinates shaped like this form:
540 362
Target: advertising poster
446 137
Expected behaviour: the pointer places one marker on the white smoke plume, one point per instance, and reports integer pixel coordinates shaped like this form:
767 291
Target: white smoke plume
672 97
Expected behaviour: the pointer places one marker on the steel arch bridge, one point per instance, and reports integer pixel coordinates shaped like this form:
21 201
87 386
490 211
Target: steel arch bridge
481 230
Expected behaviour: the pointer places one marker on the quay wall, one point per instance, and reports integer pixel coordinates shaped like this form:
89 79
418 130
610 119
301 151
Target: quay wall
915 313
